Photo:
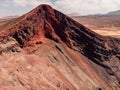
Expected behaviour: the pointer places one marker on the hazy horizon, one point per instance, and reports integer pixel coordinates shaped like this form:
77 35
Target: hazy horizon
79 7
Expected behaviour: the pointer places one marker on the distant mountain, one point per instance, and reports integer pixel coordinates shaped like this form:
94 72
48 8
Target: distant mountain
74 14
8 17
114 12
108 21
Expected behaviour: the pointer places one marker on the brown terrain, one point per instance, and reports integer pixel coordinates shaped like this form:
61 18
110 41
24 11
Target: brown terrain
107 25
47 50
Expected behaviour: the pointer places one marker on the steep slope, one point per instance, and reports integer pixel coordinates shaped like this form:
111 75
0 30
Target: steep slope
28 72
84 59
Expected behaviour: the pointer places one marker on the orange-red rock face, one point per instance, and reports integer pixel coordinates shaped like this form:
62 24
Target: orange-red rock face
59 52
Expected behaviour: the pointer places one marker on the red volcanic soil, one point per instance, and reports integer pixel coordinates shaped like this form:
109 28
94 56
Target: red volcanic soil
55 52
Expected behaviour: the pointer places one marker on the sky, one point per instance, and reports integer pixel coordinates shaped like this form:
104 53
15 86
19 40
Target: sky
81 7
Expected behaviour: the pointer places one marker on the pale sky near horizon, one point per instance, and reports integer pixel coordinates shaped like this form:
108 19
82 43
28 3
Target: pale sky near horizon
82 7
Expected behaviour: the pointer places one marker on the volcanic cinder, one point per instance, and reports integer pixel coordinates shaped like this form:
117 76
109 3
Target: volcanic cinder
47 50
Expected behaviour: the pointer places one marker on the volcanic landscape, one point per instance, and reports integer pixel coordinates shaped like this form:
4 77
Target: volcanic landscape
46 50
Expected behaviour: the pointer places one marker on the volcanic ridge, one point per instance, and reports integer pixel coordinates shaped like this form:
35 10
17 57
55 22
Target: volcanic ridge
47 50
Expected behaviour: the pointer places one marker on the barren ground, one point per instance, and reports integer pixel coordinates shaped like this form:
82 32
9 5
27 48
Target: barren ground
104 25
